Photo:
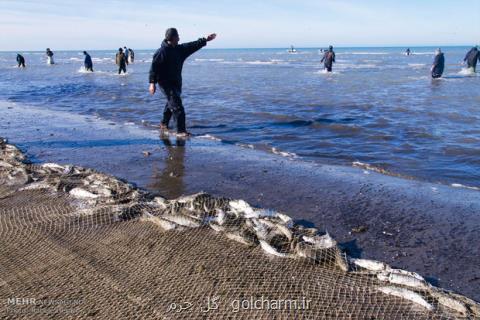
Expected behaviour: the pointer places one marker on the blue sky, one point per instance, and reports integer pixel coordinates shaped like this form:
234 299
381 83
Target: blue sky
106 24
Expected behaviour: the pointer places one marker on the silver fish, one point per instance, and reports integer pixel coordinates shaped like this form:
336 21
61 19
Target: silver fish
406 294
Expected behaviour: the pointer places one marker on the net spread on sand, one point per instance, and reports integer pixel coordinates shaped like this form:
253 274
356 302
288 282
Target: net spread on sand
75 243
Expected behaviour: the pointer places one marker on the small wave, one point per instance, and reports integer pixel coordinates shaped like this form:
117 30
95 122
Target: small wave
261 62
417 65
83 70
356 66
75 59
419 78
325 72
363 53
100 60
369 167
209 60
459 185
244 145
209 137
284 153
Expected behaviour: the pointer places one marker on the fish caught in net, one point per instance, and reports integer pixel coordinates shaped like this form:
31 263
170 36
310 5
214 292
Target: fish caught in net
76 243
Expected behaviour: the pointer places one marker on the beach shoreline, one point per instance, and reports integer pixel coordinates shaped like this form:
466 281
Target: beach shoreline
422 227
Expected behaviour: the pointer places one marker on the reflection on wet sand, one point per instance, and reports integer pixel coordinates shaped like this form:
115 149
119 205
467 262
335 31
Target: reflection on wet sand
169 180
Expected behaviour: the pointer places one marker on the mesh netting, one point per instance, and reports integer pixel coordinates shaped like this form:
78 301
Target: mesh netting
76 243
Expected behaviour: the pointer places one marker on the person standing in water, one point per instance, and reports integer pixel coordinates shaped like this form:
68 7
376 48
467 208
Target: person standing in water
131 55
328 59
408 52
20 60
121 62
438 64
472 57
127 54
49 54
166 71
88 62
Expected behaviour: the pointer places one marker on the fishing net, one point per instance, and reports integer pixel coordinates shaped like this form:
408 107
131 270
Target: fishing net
78 244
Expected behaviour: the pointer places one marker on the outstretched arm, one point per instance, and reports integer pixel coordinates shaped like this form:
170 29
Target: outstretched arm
191 47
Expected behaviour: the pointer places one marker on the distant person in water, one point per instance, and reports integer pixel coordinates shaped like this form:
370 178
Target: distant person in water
328 59
20 60
131 55
438 64
472 57
166 71
49 54
127 54
121 61
88 62
408 52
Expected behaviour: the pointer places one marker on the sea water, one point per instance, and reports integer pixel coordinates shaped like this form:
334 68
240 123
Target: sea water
378 107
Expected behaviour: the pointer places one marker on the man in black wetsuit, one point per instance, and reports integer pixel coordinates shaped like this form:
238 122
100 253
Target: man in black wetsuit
166 70
121 62
88 62
472 57
328 59
438 64
20 60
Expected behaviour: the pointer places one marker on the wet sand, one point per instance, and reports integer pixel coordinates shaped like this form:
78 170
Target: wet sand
427 228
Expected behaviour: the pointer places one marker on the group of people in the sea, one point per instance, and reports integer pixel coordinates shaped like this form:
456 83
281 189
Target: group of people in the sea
436 70
438 66
167 64
122 59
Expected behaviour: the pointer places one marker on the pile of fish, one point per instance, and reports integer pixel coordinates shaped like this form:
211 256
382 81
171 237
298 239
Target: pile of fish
275 233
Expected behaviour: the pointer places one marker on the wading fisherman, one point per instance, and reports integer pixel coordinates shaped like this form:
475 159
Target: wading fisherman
328 59
121 62
166 71
472 57
127 54
131 56
438 64
88 62
49 54
20 60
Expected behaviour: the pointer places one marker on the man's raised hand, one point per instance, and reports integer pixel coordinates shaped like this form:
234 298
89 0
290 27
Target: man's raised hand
211 37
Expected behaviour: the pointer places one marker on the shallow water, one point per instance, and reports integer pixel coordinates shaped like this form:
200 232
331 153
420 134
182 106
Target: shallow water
379 107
